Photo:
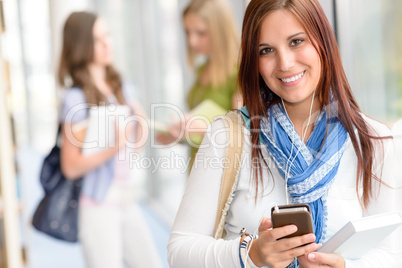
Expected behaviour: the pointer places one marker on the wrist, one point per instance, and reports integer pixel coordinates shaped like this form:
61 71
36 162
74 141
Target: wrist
254 254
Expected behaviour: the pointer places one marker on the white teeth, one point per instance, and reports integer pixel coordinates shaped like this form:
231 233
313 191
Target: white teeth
292 79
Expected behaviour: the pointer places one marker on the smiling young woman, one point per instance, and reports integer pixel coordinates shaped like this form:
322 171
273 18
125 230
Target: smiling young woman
332 86
290 65
306 141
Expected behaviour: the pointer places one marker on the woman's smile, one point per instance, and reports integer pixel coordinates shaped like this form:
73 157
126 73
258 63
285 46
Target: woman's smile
292 80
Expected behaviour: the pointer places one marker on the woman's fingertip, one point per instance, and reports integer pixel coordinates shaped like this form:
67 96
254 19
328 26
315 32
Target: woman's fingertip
311 256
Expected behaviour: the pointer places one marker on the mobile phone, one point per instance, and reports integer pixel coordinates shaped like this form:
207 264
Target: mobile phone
297 214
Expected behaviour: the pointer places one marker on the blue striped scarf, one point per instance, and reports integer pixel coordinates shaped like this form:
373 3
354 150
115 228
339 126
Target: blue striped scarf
315 165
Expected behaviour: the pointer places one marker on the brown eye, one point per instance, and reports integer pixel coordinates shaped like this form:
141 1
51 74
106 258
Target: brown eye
296 42
266 50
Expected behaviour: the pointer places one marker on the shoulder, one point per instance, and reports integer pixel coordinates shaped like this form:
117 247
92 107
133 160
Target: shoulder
377 128
73 94
74 105
74 91
233 116
220 128
231 80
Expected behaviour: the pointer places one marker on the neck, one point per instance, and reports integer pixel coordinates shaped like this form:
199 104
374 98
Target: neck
205 75
299 114
98 73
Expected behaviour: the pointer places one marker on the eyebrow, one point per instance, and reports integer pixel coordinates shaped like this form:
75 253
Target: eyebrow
289 38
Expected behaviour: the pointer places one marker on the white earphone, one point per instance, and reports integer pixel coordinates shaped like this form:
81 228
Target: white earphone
288 166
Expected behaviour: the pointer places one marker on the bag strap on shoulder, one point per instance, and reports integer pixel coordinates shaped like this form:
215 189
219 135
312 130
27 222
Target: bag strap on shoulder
235 124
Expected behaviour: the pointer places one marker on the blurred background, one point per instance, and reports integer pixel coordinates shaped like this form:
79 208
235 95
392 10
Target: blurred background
150 50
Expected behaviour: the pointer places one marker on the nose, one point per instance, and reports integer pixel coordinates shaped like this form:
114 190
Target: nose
107 42
286 60
192 39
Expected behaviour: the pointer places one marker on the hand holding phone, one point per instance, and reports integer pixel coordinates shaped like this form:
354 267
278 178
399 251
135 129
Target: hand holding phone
297 214
269 248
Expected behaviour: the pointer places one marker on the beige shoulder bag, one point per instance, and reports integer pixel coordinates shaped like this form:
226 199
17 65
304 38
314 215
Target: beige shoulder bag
235 123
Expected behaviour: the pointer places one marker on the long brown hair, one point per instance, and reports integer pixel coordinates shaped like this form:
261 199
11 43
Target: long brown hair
258 97
77 53
224 36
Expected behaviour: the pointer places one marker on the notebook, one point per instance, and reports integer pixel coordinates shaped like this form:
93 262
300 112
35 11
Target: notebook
207 110
158 126
101 129
358 236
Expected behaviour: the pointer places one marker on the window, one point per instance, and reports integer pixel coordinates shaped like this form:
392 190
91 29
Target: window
370 39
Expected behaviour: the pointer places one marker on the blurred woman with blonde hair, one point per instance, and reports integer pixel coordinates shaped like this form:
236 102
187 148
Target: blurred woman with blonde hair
211 33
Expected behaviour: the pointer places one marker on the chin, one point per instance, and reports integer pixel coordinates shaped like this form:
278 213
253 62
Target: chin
108 63
201 52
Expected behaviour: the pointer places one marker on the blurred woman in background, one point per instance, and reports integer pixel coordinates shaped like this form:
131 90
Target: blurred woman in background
112 229
211 32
